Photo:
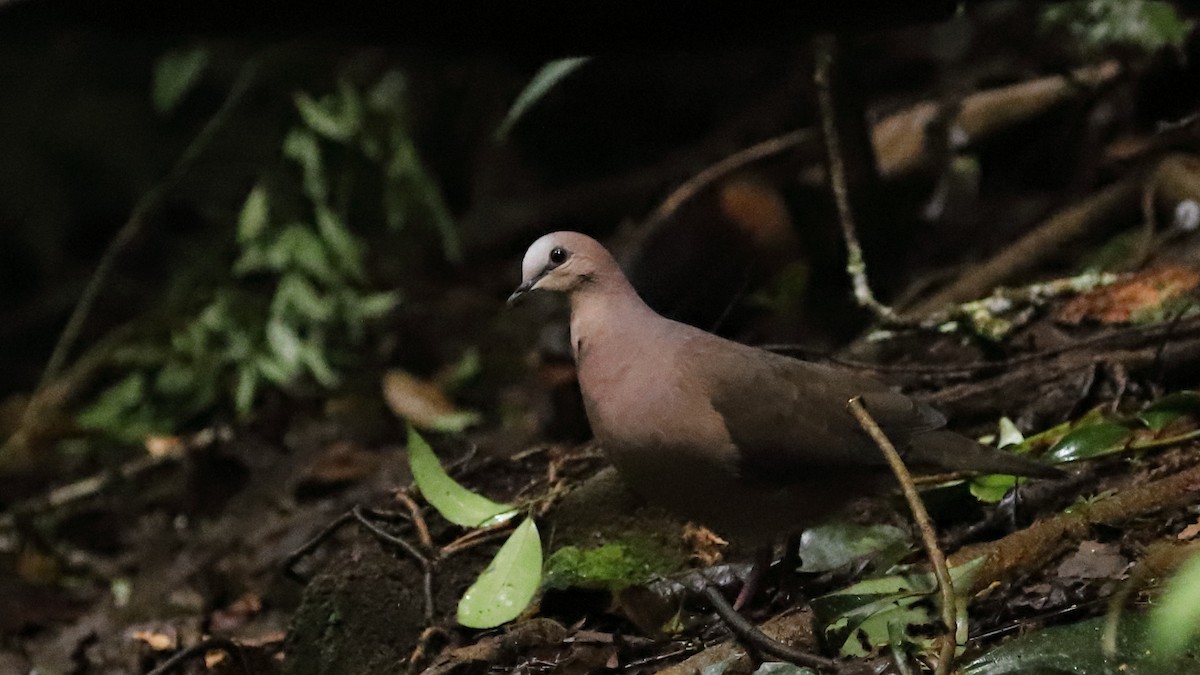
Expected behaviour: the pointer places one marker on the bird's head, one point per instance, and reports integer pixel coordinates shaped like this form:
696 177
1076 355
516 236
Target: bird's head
564 262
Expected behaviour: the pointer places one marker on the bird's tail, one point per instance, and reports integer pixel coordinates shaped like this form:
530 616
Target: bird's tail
945 450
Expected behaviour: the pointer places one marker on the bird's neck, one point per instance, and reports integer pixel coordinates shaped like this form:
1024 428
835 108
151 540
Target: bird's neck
606 314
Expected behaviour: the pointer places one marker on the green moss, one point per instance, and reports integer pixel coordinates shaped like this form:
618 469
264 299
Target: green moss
612 566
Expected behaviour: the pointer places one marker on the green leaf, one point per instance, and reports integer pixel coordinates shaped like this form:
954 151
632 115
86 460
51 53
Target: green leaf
345 248
255 215
302 147
1074 649
1175 620
992 488
869 608
337 117
543 81
456 503
295 293
375 305
285 343
1009 434
835 545
175 75
1093 440
110 407
1169 408
508 584
245 389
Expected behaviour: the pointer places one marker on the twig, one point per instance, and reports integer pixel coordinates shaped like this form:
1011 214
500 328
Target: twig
418 520
289 563
137 219
752 636
738 160
856 266
924 524
475 538
421 559
200 649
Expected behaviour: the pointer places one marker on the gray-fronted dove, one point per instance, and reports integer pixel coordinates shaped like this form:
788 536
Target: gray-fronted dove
751 443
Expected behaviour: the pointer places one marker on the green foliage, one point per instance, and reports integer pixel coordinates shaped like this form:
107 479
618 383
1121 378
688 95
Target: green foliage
543 81
1075 648
176 74
510 581
835 545
508 584
1099 25
456 503
296 302
892 610
1175 620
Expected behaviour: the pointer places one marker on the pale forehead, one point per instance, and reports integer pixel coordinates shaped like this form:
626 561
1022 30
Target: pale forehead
539 253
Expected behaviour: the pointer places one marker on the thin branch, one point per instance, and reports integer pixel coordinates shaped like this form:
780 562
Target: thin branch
289 563
856 265
925 525
749 634
421 559
738 160
137 219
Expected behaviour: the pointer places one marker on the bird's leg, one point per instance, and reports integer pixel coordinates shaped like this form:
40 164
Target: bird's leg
789 570
754 580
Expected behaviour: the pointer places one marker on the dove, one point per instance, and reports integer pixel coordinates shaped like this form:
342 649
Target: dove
750 443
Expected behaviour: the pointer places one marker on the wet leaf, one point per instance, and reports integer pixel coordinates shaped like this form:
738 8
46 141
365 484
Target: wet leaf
423 403
1175 620
1094 440
831 546
543 81
508 584
869 610
1074 649
456 503
1170 408
992 487
175 75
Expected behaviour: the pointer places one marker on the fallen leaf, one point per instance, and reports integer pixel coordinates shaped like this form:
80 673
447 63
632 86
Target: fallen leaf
159 641
1094 560
1188 533
1137 297
341 462
705 544
423 403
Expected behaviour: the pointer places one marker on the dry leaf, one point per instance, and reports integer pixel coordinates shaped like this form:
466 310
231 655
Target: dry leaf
159 641
706 545
1122 301
423 404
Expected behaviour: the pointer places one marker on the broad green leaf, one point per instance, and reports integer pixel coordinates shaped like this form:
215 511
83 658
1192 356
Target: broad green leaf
508 584
456 503
1169 408
872 607
1093 440
992 488
253 219
175 75
834 545
1074 649
543 81
1175 620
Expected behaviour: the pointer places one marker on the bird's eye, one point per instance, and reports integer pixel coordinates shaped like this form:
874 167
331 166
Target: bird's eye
558 255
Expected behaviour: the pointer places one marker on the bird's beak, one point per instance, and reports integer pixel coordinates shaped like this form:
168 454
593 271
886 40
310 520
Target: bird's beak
519 294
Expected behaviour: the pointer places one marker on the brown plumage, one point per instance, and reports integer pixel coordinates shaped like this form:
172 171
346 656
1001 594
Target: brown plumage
751 443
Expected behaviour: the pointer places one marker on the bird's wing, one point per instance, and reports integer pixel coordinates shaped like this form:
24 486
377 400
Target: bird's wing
787 417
